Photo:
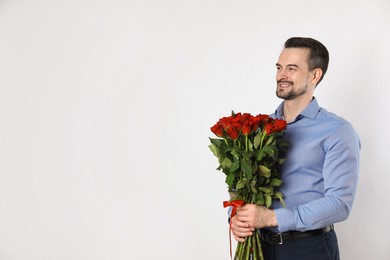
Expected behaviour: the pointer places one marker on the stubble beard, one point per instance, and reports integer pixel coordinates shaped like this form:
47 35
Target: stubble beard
291 94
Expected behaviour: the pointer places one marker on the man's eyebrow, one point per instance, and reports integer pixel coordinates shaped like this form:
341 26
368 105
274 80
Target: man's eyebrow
288 65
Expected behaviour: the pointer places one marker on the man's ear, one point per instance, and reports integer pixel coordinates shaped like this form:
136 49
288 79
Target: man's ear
317 74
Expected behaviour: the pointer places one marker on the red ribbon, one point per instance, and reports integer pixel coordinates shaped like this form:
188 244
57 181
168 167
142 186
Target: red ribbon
234 204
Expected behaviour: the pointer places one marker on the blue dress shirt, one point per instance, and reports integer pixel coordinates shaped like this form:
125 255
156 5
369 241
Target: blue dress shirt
321 171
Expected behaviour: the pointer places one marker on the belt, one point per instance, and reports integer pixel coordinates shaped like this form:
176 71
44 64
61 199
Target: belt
280 238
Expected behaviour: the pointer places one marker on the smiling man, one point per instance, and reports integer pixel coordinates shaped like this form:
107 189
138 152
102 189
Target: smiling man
321 171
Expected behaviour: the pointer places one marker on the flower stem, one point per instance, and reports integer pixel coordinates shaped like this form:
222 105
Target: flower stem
258 243
255 248
226 142
246 142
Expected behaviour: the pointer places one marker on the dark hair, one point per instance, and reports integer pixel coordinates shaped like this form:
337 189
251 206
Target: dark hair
319 55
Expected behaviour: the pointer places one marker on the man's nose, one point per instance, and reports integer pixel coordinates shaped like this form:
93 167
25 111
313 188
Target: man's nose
281 74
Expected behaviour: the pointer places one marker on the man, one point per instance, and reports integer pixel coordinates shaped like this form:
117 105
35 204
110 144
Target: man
321 171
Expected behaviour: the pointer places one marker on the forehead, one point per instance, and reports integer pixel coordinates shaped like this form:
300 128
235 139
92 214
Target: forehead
297 56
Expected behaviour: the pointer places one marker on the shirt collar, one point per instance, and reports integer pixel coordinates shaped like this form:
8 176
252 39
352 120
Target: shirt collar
310 111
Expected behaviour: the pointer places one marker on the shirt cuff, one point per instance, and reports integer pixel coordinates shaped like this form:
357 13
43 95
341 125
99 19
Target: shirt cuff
286 219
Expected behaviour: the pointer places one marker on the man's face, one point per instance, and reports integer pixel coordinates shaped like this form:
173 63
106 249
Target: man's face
292 75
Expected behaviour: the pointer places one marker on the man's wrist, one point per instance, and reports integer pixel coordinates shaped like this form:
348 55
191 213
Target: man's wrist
268 218
272 220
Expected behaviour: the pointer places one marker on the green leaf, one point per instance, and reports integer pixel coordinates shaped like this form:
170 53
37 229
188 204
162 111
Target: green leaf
230 180
214 149
217 142
264 171
247 155
250 146
259 199
254 182
235 153
253 189
279 195
276 182
269 151
226 163
268 200
241 184
281 161
269 140
253 185
235 166
246 168
266 150
265 190
260 155
256 140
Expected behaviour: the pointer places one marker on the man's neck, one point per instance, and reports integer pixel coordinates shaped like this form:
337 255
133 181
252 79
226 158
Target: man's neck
292 108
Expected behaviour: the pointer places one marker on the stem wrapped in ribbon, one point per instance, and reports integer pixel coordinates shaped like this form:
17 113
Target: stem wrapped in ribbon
234 204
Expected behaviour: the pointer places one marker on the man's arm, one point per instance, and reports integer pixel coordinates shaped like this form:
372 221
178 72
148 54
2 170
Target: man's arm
340 173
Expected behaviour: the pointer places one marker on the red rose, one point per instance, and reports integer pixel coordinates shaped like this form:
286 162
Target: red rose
225 122
254 122
236 120
274 125
280 125
246 117
217 130
246 129
263 118
233 133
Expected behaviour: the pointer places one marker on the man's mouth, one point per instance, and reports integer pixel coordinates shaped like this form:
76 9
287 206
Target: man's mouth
285 84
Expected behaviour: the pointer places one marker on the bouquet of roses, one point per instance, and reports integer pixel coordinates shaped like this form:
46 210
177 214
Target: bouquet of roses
250 151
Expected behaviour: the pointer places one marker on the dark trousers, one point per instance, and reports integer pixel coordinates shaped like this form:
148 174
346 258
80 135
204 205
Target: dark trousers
319 247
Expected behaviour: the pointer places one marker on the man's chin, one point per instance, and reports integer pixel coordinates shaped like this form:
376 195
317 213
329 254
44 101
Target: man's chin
283 95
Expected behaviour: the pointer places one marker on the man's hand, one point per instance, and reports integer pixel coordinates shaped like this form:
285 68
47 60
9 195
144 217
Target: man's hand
240 229
256 216
248 218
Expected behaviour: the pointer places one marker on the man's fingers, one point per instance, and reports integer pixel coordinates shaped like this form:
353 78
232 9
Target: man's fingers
239 239
240 233
243 219
240 229
239 223
240 236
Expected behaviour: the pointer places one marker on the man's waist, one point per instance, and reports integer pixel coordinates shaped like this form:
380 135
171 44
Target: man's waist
280 238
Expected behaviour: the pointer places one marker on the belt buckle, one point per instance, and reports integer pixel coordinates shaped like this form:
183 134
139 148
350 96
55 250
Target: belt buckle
280 239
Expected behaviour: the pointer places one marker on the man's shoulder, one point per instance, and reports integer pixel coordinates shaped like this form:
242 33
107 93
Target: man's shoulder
336 124
324 114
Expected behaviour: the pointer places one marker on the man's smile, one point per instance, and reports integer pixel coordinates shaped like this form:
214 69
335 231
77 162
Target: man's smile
285 84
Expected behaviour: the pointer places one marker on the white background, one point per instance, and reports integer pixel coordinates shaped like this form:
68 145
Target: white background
105 110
